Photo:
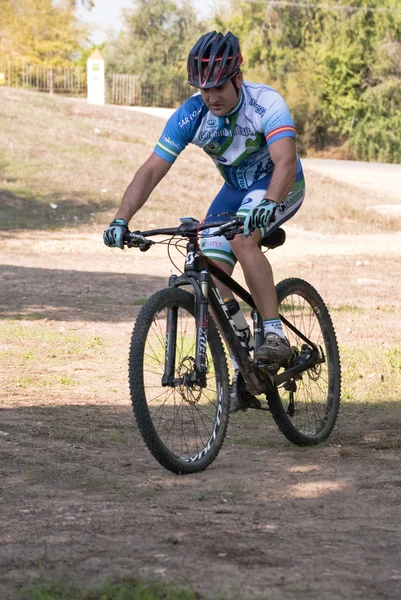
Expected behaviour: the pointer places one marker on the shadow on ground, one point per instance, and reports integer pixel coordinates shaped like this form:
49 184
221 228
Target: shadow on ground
65 295
83 499
30 212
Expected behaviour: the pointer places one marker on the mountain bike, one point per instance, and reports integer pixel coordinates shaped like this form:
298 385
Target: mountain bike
178 374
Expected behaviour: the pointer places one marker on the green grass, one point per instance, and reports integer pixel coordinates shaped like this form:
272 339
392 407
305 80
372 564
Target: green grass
127 590
44 381
44 334
372 375
39 354
34 316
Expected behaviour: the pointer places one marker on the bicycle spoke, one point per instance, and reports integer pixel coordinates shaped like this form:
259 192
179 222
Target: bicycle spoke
184 416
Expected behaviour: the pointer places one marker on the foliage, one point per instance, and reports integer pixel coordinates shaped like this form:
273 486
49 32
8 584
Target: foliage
377 132
40 32
323 58
157 37
85 53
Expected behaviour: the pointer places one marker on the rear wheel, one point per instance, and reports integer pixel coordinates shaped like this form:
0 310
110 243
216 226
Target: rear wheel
183 424
305 408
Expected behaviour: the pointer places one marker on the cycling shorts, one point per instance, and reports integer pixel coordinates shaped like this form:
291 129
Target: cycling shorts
232 201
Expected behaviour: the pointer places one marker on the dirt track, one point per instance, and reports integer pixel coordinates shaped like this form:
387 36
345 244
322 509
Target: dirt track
83 500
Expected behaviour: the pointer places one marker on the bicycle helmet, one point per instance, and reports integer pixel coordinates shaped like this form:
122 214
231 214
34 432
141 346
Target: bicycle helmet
214 60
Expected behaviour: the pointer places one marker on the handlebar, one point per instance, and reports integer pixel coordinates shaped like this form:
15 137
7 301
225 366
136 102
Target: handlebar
188 228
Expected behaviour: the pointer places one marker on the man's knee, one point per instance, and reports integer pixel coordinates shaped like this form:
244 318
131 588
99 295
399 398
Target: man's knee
242 245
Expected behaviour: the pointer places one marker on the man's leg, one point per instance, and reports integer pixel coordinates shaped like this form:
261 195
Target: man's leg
259 276
217 248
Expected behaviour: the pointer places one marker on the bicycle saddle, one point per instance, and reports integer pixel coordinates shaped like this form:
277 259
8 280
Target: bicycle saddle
273 240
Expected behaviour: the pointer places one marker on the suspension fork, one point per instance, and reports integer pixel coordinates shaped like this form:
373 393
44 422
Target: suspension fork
200 286
171 345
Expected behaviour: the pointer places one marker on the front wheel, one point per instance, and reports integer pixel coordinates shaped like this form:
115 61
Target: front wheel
183 423
305 408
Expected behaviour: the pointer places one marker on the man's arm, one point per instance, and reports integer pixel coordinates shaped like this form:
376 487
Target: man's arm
284 156
146 179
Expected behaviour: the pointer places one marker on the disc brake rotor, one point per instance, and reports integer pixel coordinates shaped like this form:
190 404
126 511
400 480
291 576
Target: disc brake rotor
189 391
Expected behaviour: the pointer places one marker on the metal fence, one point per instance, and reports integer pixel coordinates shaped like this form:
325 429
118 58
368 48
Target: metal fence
133 90
123 89
57 80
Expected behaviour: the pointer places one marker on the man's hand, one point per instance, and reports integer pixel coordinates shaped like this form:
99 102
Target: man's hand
261 216
114 234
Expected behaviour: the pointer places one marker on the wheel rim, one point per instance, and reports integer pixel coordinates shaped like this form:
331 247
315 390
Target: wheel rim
308 406
186 417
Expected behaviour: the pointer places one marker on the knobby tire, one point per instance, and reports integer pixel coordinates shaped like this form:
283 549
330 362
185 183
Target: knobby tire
308 416
183 428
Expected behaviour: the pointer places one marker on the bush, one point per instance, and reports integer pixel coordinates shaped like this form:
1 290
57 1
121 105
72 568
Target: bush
377 134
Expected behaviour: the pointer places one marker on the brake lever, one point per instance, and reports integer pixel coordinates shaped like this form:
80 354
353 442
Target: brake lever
135 239
145 245
230 235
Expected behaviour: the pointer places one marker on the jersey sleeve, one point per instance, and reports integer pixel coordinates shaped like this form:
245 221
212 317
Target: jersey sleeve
180 129
277 121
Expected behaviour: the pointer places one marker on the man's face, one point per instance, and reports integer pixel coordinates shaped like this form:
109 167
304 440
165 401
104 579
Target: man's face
222 100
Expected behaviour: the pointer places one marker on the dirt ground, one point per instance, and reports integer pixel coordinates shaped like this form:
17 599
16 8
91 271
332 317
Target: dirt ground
83 500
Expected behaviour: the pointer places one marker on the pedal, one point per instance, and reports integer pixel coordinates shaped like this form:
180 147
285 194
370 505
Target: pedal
268 367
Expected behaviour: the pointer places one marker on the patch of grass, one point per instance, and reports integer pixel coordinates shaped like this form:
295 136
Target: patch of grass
347 308
95 342
41 353
370 375
44 381
127 590
73 169
394 358
34 316
140 301
66 380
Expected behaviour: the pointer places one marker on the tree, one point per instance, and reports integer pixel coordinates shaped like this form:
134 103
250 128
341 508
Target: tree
39 31
322 56
157 38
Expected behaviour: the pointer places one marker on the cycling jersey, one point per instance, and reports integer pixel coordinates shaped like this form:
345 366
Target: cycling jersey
238 143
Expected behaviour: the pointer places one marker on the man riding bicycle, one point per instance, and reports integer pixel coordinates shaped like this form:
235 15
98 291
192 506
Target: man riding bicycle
247 130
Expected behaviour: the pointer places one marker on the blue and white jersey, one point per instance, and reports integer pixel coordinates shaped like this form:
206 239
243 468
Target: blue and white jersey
238 143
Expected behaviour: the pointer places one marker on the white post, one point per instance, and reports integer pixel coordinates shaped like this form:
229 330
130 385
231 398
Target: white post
96 83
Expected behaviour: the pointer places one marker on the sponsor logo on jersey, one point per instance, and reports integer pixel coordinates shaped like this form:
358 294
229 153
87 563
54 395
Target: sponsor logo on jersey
245 131
168 139
212 147
211 122
260 110
211 135
186 120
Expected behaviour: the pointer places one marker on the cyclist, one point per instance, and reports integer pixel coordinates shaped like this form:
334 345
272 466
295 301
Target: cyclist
247 130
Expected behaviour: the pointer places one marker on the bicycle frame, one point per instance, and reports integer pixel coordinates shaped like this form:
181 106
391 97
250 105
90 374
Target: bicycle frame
198 272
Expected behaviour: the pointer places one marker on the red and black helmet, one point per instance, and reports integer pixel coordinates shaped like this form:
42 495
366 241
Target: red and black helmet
214 60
